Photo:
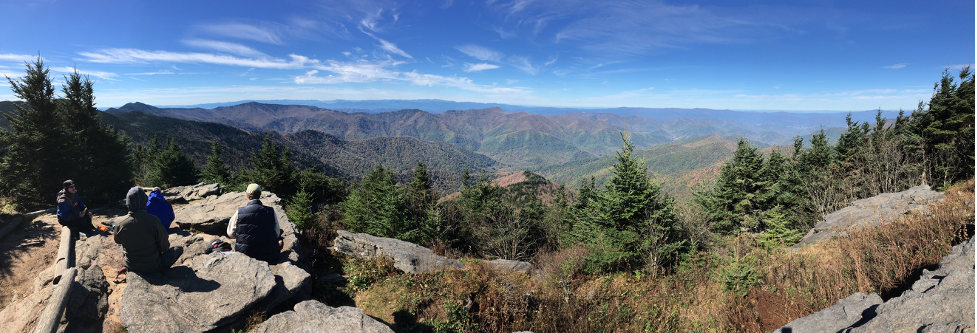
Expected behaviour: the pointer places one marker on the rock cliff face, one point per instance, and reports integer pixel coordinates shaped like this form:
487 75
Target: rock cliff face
880 209
940 301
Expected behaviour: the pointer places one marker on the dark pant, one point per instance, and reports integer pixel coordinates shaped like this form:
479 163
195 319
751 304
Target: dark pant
81 224
170 256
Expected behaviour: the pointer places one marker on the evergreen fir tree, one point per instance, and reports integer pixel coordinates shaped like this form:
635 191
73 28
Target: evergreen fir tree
376 206
216 171
419 201
946 130
172 168
737 198
631 220
36 155
300 211
101 157
272 168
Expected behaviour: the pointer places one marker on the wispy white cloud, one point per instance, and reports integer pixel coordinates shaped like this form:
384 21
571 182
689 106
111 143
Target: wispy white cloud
18 57
896 66
523 64
226 47
480 52
162 72
371 20
101 75
959 67
141 56
623 28
552 61
263 34
371 72
388 46
479 67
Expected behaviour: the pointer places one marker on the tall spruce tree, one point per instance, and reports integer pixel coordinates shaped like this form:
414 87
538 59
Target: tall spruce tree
101 158
216 171
419 201
272 169
631 222
35 159
376 207
946 130
53 139
172 168
737 199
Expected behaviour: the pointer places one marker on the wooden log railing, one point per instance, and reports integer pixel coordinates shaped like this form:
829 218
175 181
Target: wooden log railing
64 278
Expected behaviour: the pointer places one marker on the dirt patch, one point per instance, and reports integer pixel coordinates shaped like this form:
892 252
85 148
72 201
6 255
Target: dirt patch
24 253
774 311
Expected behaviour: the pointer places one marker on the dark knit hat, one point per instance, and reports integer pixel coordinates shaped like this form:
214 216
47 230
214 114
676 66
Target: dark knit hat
68 183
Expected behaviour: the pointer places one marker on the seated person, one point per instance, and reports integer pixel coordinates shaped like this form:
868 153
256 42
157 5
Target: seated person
255 228
160 208
72 212
145 246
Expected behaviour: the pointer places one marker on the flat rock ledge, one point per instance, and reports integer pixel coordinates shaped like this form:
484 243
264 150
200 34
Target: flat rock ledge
940 301
407 257
213 291
313 316
185 194
877 210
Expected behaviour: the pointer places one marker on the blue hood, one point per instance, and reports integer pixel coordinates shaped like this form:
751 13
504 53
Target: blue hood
156 197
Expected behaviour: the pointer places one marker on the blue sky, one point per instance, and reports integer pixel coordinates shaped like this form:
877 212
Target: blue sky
741 55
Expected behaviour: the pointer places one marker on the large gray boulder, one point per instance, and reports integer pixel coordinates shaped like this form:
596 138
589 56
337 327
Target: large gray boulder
313 316
290 280
88 301
877 210
407 257
213 291
940 301
185 194
847 312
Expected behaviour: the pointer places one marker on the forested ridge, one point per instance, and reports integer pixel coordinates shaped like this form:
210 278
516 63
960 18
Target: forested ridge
618 233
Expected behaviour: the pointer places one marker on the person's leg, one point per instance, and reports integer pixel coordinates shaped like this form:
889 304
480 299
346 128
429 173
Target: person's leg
83 224
170 256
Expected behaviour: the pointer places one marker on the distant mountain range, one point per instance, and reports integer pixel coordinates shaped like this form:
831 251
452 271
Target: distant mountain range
515 139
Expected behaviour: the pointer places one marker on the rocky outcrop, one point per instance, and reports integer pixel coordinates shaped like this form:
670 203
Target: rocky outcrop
509 265
880 209
940 301
289 281
847 312
88 301
313 316
213 291
185 194
407 257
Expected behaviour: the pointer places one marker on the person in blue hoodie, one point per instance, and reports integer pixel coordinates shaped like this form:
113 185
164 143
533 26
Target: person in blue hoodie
158 206
72 212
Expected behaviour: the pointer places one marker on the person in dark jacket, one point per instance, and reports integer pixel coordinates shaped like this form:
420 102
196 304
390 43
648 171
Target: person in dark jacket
72 212
160 208
145 247
255 228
